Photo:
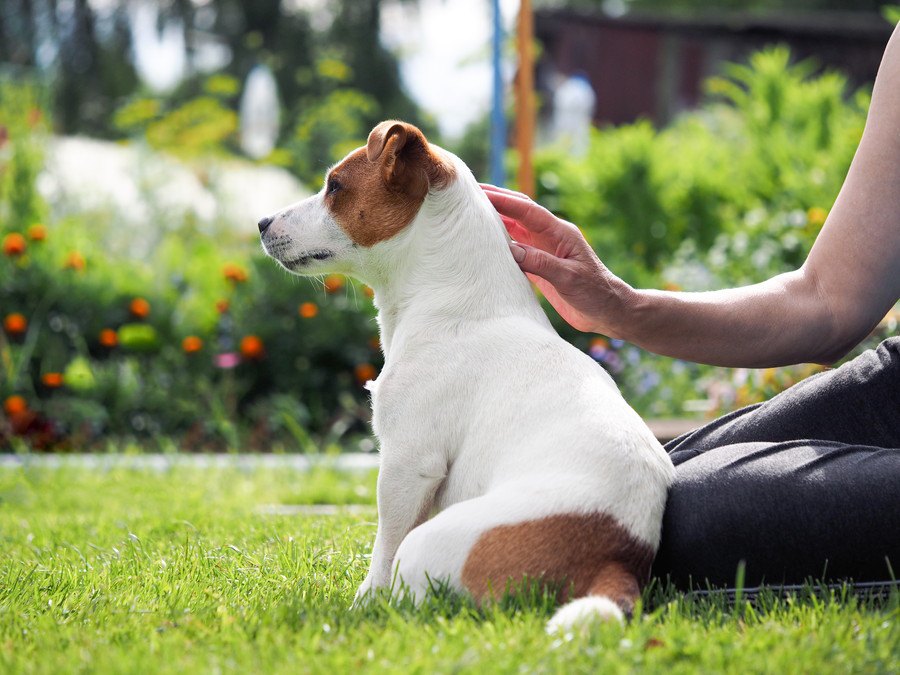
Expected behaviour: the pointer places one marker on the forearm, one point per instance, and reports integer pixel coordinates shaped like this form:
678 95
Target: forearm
780 321
817 313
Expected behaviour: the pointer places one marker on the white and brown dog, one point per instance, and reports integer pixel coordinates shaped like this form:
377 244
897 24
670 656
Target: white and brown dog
505 451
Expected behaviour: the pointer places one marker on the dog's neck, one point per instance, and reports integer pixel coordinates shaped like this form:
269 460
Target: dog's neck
450 269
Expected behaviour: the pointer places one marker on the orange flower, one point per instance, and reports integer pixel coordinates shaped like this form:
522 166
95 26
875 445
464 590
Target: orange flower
74 261
364 372
14 244
37 232
15 324
599 343
375 343
308 310
15 405
334 283
816 216
34 117
252 348
109 338
191 344
368 292
222 305
671 286
139 308
234 272
52 380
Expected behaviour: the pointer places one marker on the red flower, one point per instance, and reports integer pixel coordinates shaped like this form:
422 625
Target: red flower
52 380
15 405
191 344
308 310
15 324
252 348
139 308
74 261
37 232
334 283
365 372
234 272
14 244
109 338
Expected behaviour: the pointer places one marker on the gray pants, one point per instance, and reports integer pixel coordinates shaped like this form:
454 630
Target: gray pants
803 486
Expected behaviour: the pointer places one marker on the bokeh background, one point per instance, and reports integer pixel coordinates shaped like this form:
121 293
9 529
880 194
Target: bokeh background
698 145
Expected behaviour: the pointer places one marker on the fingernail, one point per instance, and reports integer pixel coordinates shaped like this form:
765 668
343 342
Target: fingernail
518 253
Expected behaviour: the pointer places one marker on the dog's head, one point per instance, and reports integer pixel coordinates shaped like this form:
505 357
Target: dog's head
371 196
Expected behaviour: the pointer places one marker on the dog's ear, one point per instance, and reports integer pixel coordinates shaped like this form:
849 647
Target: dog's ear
407 163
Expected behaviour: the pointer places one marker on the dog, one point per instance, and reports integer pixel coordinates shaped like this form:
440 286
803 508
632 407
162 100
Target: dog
506 454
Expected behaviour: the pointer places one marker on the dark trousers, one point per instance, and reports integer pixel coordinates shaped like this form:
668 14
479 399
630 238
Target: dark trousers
803 486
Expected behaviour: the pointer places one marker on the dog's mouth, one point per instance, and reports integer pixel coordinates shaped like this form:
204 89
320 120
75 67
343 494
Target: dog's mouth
303 260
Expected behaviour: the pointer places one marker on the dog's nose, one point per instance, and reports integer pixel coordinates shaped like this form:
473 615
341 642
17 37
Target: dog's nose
264 223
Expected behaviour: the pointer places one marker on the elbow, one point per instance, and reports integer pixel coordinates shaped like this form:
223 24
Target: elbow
842 330
840 323
842 340
834 353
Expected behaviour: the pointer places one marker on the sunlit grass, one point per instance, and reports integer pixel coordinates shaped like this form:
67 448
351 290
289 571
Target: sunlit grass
193 570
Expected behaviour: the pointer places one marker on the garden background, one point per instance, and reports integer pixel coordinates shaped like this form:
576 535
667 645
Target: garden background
141 322
151 319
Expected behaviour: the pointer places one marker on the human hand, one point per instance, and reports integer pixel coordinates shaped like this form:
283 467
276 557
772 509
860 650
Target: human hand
557 258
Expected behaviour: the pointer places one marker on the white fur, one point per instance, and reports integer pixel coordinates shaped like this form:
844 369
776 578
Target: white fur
583 611
484 414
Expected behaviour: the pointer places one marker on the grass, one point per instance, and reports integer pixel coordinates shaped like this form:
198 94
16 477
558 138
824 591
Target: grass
189 570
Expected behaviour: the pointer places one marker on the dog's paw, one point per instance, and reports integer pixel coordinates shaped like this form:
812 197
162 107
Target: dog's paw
364 595
584 611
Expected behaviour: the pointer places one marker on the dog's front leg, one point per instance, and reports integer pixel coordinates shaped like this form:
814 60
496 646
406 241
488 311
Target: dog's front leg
406 490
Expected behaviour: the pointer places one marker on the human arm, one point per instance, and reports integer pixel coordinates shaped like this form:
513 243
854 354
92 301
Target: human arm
816 313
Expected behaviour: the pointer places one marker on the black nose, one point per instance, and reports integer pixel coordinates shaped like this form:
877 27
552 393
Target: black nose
263 224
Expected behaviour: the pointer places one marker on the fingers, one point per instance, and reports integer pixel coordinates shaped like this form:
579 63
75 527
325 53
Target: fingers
532 216
516 231
487 187
534 261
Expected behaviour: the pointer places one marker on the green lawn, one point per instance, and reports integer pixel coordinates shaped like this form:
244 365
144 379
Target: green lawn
193 570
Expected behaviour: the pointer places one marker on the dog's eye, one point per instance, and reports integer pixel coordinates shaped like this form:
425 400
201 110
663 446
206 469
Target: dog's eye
332 186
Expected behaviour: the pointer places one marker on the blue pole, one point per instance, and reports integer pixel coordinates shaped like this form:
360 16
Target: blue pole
498 114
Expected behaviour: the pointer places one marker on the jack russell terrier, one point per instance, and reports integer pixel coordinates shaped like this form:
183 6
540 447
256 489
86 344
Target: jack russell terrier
506 453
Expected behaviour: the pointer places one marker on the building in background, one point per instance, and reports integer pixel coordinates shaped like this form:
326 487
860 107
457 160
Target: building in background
654 67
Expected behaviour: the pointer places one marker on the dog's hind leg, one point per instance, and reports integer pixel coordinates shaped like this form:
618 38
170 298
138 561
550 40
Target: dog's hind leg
611 596
481 545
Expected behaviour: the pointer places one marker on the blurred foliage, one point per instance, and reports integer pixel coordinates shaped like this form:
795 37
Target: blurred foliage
204 341
772 142
328 62
209 343
328 128
200 126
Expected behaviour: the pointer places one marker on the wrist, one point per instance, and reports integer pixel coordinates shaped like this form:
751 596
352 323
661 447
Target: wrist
617 321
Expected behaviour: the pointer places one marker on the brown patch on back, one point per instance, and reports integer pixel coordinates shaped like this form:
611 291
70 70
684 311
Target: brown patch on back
383 185
589 554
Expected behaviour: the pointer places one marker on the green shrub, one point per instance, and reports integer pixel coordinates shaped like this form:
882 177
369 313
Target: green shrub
208 342
774 139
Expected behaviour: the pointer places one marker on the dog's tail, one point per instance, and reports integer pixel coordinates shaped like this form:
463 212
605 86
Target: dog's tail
610 597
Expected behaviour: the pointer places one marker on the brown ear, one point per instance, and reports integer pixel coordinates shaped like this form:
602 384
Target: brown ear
407 162
379 136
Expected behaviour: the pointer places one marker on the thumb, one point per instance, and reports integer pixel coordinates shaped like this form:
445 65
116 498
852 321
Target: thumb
538 262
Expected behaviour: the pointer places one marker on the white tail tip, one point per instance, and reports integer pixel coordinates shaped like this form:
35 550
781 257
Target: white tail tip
583 611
